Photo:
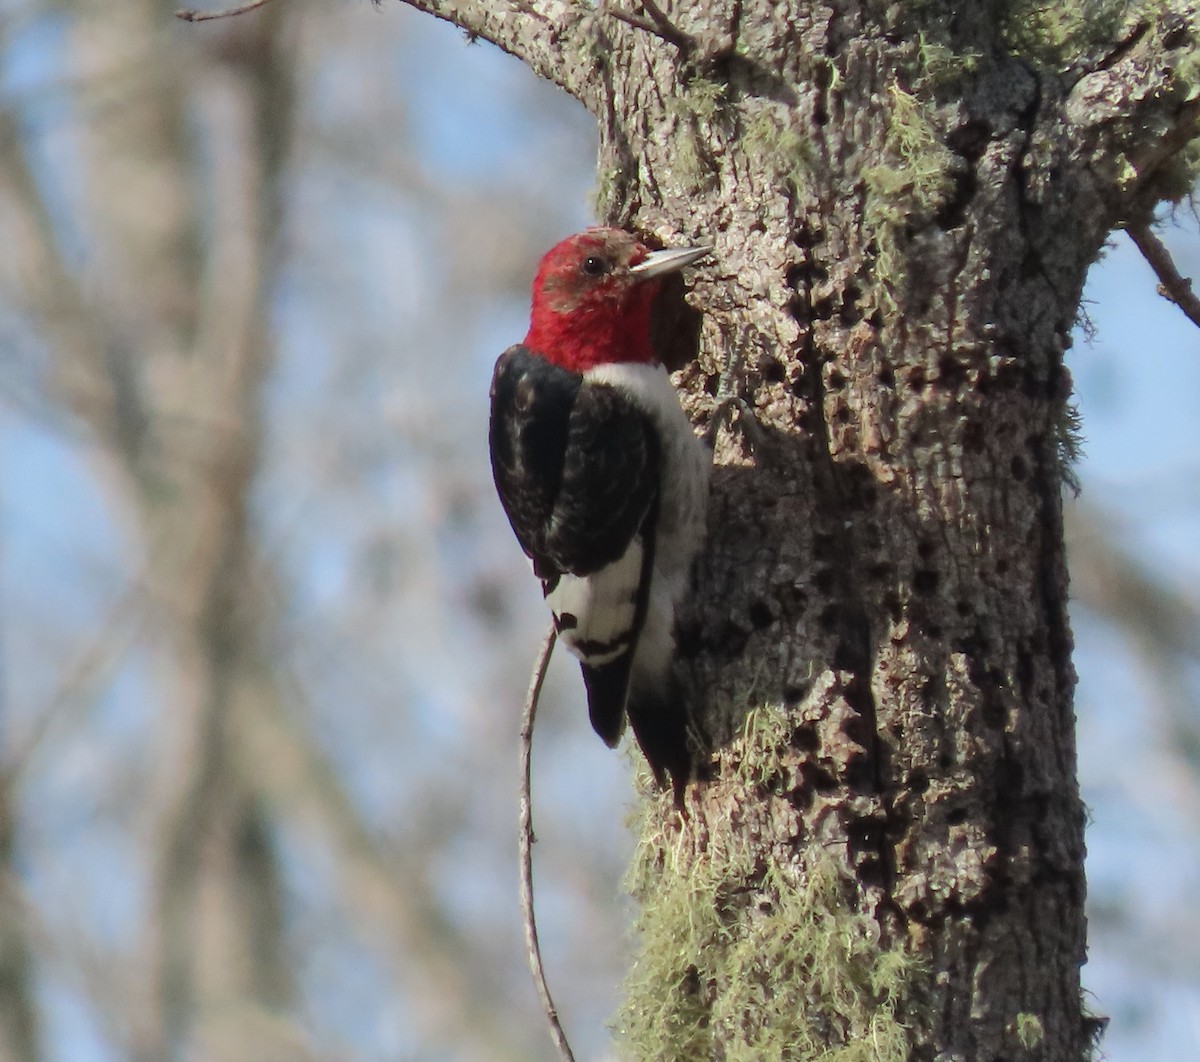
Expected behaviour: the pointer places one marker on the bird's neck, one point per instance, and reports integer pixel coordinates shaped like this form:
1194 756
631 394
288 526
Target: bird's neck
591 334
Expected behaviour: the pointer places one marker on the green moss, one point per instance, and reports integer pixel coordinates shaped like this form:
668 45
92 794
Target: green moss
911 186
923 157
594 46
1056 34
1187 72
1178 177
690 163
702 100
833 74
773 147
939 66
699 105
756 752
739 960
1029 1031
604 193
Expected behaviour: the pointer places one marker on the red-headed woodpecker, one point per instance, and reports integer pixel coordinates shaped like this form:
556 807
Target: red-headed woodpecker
604 481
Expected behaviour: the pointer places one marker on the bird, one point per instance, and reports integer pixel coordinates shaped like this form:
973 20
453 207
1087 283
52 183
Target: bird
604 481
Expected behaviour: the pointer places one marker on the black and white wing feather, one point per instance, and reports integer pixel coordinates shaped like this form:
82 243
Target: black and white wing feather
576 465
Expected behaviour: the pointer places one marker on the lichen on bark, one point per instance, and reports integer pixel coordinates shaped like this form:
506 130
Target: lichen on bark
742 959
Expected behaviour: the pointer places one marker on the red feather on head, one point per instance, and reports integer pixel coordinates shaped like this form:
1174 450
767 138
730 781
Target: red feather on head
588 308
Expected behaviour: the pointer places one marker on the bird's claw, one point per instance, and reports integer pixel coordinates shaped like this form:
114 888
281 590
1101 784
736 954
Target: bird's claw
747 422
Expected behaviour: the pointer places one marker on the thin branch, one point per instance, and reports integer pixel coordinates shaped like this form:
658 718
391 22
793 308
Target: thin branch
527 839
658 24
1110 581
1172 284
666 28
382 883
190 14
79 683
630 19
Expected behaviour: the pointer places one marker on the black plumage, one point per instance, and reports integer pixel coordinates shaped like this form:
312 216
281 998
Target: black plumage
576 466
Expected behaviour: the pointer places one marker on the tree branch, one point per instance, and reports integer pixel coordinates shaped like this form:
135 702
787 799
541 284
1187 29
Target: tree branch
1111 581
1172 284
383 884
551 45
1183 128
527 839
190 14
1134 111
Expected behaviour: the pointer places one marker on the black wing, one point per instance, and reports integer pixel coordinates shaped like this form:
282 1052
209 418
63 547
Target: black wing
531 410
575 464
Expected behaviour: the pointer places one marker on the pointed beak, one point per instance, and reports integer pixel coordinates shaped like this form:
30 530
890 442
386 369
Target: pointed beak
659 263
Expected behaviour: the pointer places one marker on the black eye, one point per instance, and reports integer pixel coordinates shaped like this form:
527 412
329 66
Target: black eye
595 266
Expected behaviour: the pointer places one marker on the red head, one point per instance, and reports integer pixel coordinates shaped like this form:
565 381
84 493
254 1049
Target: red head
592 297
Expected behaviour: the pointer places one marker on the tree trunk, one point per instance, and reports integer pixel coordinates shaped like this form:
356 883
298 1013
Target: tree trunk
880 645
885 857
215 952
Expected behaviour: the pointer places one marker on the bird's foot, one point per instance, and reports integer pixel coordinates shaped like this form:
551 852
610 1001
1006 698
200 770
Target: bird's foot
723 413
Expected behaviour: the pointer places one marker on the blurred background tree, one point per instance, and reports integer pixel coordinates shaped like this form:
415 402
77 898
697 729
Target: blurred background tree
258 606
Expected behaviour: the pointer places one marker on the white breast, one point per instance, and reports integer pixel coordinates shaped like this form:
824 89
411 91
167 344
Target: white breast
682 506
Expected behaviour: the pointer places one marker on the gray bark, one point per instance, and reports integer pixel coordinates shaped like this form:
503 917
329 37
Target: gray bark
904 202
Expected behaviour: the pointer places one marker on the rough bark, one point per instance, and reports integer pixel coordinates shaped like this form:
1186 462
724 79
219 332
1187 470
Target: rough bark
886 854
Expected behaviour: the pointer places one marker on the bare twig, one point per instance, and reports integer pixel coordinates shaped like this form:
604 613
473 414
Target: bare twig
78 684
190 14
533 951
630 19
1171 283
666 28
657 24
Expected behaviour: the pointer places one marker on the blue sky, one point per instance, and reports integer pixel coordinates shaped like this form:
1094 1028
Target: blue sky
1138 384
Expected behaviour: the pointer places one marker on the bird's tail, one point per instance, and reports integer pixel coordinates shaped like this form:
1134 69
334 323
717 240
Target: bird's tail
607 687
660 722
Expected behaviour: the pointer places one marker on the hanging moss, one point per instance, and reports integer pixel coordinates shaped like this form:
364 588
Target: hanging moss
939 66
1068 439
911 187
744 962
702 100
